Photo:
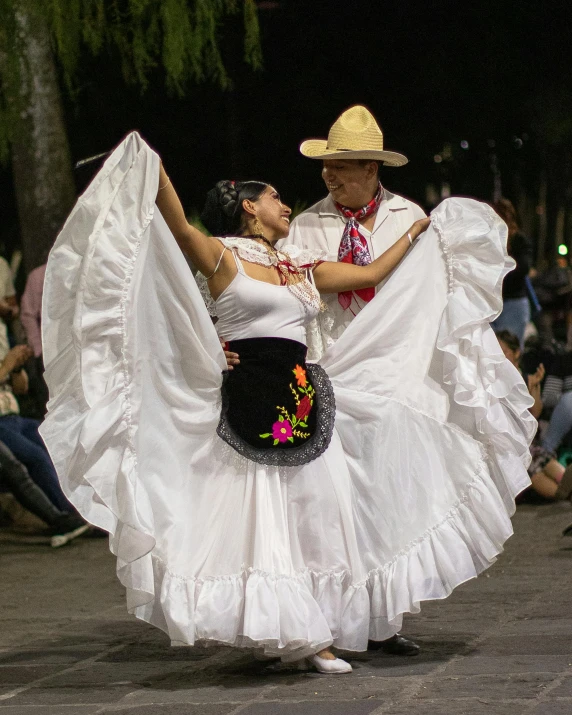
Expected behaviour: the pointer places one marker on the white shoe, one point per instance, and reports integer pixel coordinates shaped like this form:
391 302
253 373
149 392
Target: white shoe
323 665
68 535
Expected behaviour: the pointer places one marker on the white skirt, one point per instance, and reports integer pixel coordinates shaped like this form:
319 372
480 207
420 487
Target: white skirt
413 496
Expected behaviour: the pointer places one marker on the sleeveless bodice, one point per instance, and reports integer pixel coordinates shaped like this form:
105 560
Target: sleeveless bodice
249 308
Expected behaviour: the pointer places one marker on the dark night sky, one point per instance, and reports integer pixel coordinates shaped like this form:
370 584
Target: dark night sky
432 72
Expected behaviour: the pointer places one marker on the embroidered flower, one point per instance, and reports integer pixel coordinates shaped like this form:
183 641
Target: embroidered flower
300 374
282 430
304 408
287 428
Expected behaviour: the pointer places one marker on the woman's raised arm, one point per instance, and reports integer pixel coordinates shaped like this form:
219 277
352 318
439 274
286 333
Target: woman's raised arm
203 251
332 277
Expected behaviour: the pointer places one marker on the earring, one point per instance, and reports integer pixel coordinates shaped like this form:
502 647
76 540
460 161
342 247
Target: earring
257 228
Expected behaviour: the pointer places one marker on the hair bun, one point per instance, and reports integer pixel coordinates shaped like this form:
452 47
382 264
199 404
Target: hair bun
228 196
222 214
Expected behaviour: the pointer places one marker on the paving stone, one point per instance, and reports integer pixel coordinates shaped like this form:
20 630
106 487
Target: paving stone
564 689
478 665
110 674
46 656
553 707
342 708
523 685
547 627
49 709
175 709
14 676
186 688
46 695
142 652
453 706
531 644
393 667
317 687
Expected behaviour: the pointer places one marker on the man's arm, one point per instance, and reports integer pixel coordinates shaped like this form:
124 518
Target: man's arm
338 277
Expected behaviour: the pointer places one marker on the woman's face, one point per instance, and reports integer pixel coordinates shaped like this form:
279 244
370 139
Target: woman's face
273 214
512 355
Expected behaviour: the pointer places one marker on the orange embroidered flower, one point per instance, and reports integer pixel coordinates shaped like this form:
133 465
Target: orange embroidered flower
300 374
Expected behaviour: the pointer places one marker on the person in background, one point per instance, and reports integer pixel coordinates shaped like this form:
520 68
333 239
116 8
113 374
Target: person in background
20 434
8 304
31 309
553 287
548 476
516 308
31 318
14 476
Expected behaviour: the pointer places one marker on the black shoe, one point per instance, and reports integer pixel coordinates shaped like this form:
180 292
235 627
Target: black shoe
66 528
96 533
396 645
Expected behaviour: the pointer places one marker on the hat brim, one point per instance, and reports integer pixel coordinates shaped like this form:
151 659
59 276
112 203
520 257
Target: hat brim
318 149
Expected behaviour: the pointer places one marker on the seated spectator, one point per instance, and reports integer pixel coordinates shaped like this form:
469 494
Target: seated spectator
8 304
13 474
557 394
548 476
20 434
31 318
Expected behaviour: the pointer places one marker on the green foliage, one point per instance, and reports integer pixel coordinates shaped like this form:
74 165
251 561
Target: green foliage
182 37
297 209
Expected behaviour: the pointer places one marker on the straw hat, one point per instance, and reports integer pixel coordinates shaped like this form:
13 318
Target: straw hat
354 135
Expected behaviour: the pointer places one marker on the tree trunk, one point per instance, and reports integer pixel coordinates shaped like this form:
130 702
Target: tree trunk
41 161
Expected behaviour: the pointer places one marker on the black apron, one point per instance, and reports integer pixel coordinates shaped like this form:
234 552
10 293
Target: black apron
276 409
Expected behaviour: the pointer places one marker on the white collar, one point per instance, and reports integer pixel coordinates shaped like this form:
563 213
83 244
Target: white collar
390 201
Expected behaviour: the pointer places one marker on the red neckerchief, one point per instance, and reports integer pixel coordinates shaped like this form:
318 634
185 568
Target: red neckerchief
353 246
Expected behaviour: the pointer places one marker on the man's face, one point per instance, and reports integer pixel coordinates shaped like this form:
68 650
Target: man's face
351 183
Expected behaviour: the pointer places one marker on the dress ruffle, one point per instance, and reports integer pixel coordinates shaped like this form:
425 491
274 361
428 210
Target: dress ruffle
411 498
487 390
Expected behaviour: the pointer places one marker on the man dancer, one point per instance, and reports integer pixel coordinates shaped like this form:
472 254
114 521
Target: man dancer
357 221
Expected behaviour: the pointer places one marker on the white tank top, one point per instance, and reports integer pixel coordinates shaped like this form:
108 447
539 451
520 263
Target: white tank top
249 308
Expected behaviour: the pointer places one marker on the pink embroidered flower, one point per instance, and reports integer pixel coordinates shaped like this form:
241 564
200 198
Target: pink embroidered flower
282 430
304 408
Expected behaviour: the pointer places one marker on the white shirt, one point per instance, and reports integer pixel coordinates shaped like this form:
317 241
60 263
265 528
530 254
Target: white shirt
321 227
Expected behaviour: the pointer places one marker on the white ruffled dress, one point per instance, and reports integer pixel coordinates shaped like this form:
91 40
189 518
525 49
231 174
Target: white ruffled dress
412 497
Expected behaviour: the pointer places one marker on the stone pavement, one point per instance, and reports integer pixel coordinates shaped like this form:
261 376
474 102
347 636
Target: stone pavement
501 644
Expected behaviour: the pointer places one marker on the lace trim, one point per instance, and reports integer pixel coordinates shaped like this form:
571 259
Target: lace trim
254 252
206 294
296 456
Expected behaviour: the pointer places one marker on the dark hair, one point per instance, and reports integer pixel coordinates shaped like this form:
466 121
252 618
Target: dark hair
507 212
510 339
222 212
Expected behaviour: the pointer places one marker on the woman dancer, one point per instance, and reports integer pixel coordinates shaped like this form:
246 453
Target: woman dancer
239 513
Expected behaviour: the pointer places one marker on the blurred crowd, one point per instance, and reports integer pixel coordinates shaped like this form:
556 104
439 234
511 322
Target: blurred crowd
26 469
535 334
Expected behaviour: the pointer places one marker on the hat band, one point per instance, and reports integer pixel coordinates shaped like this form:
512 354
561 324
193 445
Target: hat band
340 148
